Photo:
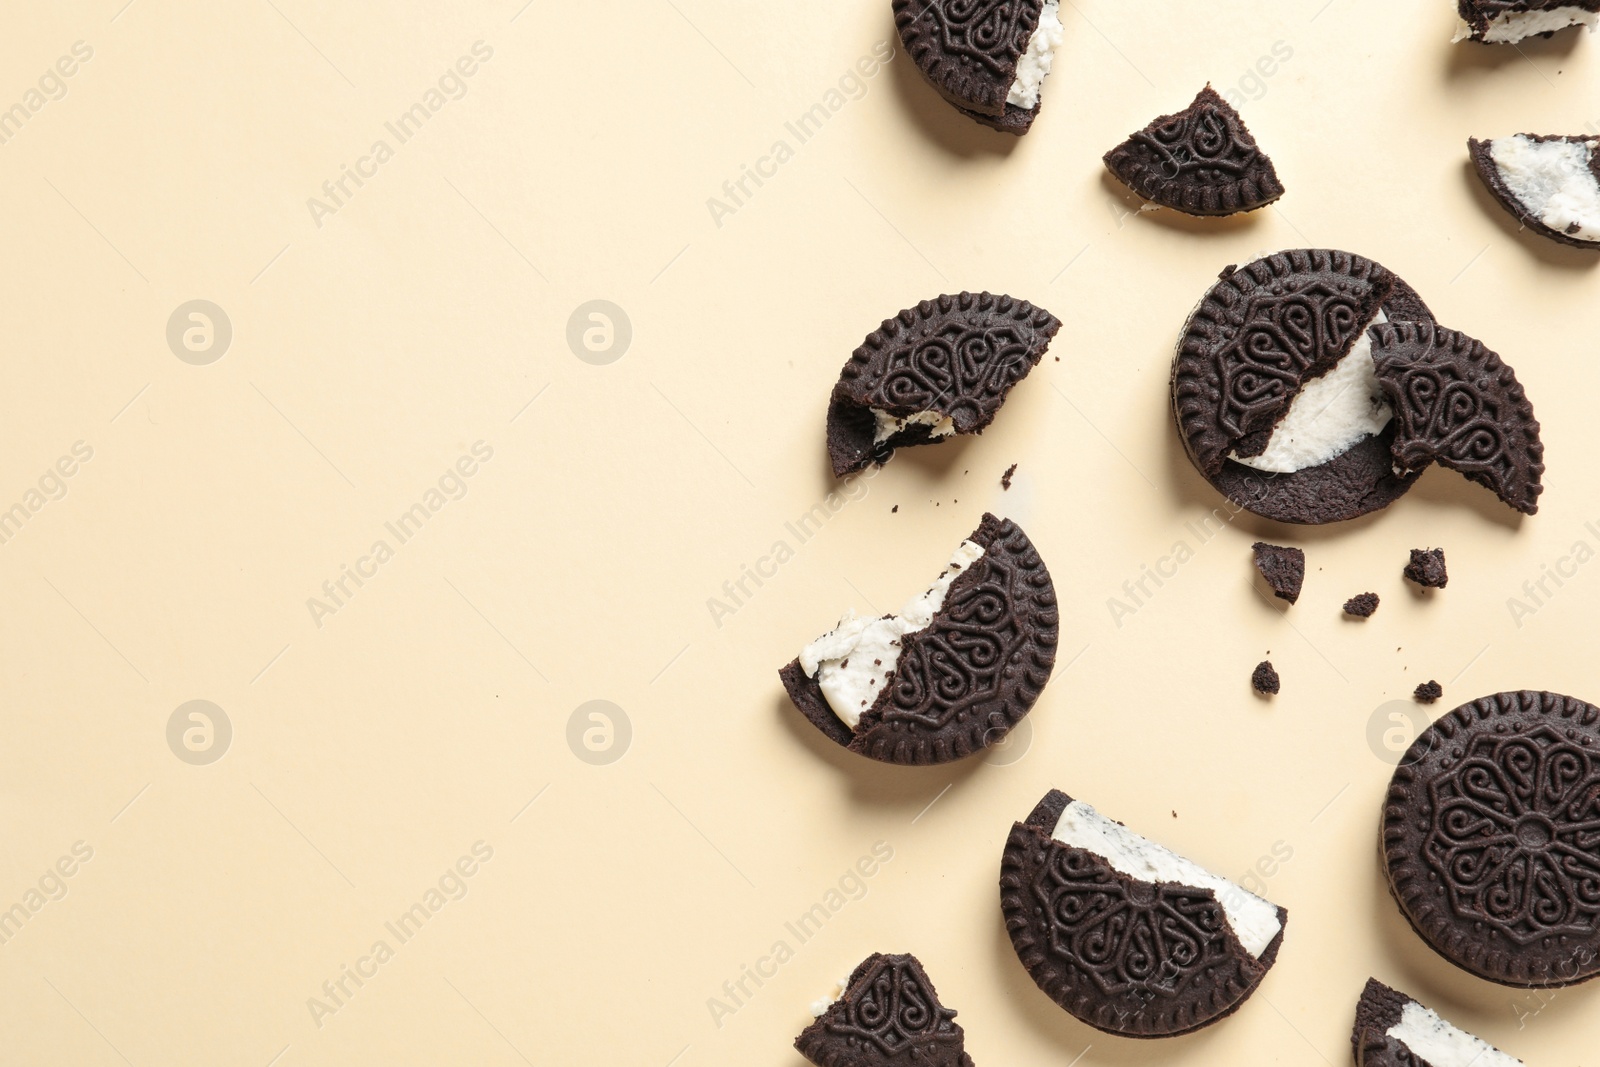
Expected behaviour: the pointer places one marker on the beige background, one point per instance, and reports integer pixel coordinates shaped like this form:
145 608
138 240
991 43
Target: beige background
371 351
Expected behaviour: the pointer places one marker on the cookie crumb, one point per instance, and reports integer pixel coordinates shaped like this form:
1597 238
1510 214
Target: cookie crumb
1362 605
894 509
1283 568
1428 692
1427 568
1005 479
1264 679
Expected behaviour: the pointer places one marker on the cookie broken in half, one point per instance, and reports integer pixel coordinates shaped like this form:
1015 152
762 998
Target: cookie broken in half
1392 1030
1124 934
1200 161
988 58
952 672
1549 184
1510 21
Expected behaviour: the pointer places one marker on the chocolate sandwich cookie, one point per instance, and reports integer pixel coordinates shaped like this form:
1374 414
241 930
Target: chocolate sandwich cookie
1491 838
988 58
1458 404
888 1015
1274 392
943 367
952 673
1200 161
1284 569
1392 1030
1550 184
1510 21
1125 935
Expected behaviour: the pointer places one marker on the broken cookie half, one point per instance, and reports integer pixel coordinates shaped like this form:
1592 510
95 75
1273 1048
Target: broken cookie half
1392 1030
1550 184
1200 161
1124 934
952 672
887 1015
988 58
1510 21
943 367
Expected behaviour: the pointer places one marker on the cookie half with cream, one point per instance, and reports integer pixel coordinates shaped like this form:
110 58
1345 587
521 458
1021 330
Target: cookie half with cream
949 674
1510 21
1550 184
943 367
887 1014
1126 935
988 58
1274 389
1392 1030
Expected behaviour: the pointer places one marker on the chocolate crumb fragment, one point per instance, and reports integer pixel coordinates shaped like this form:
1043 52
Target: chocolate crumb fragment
1362 605
1283 568
1428 692
1005 479
1264 679
1427 568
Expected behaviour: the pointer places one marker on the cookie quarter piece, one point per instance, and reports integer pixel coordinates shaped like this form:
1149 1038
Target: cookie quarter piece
943 367
952 673
1274 390
1392 1030
888 1015
988 58
1550 184
1200 161
1489 838
1125 935
1458 404
1510 21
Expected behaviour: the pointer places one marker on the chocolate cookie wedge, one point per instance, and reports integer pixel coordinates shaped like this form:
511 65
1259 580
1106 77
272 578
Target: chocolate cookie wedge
1200 161
1550 184
887 1015
1510 21
1125 935
952 673
1283 567
1274 390
943 367
1491 838
1392 1030
988 58
1458 404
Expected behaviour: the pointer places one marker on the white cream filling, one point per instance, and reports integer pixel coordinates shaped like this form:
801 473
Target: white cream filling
820 1006
1034 63
1254 921
1436 1041
1330 414
852 661
1513 26
1552 181
889 425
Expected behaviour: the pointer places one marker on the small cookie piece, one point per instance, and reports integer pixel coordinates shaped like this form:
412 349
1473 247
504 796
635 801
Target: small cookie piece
1428 692
1550 184
1427 568
1125 935
1362 605
1510 21
1264 679
1284 569
1200 161
1005 479
1458 404
988 59
888 1015
953 672
1274 391
943 367
1392 1030
1489 841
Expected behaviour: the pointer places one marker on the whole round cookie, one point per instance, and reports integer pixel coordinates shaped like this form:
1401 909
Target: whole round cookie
1274 391
1491 838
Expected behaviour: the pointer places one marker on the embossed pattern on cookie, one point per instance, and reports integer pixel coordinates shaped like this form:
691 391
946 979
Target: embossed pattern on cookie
887 1015
1200 161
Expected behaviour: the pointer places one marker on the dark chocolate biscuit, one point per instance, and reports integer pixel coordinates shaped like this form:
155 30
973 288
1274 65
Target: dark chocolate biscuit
955 357
889 1015
1264 679
1428 692
1284 569
1130 957
1200 161
1362 605
1458 404
1478 17
1259 334
968 50
1381 1010
1529 215
1427 568
966 679
1491 838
